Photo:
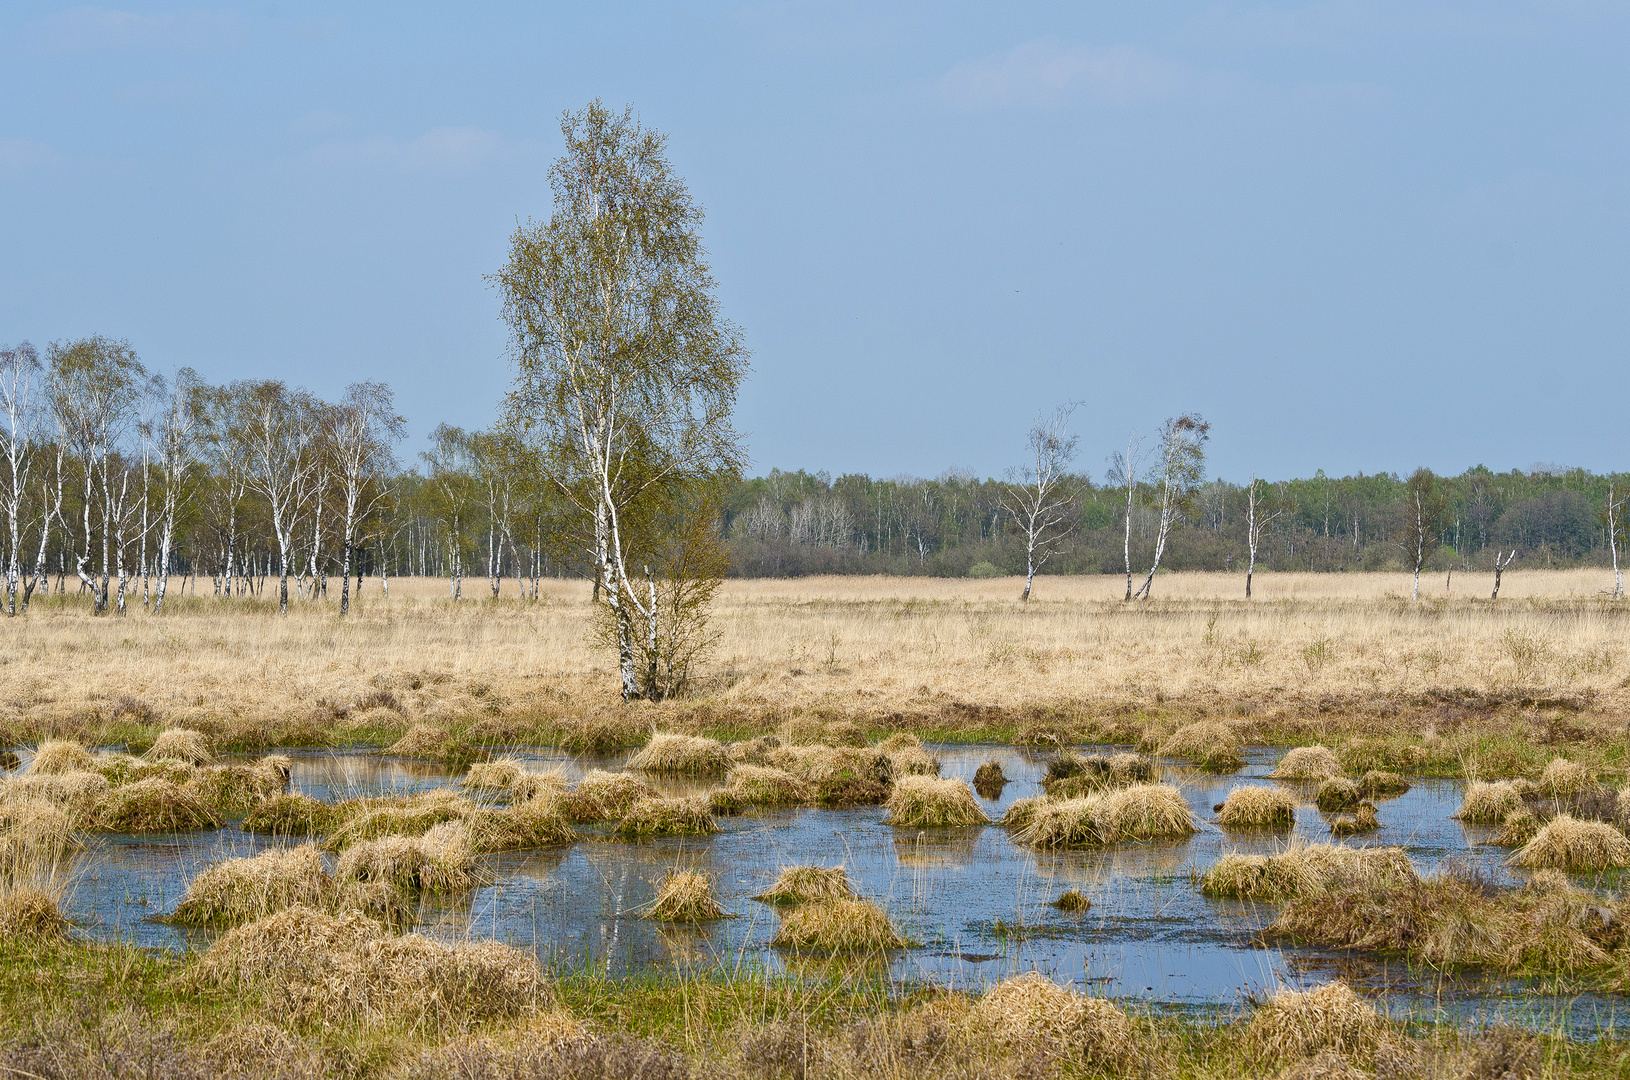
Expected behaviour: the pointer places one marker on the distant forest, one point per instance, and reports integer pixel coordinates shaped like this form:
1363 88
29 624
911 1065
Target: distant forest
793 523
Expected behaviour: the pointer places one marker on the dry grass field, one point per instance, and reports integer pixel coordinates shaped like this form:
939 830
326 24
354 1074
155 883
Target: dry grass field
1340 658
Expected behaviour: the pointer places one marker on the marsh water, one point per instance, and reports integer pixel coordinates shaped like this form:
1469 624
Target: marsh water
976 906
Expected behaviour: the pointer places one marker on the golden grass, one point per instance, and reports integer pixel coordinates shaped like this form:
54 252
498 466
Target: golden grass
684 896
60 756
1304 869
1566 843
1380 784
1298 1024
152 806
1336 793
242 890
761 785
668 752
808 884
536 823
1140 812
1308 763
1208 744
181 744
1257 808
1331 658
679 816
291 815
842 775
1031 1012
30 913
920 802
1489 802
1563 777
1363 820
77 792
510 776
1023 812
605 796
837 926
441 861
394 815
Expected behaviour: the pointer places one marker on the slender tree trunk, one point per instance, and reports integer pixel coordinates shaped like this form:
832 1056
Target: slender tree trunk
345 575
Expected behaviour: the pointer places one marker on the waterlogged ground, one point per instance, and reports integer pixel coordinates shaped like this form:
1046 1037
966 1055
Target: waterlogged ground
976 905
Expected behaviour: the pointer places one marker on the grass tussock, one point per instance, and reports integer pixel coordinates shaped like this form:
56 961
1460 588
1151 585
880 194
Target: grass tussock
181 744
841 775
152 806
685 896
510 776
60 756
432 742
1305 870
1308 763
837 926
235 790
1071 775
312 967
1140 812
1257 808
364 819
30 914
1489 802
605 796
1298 1024
808 884
536 823
1072 901
1363 820
1379 784
989 780
1336 793
1031 1013
1022 812
921 802
1563 777
243 890
77 793
659 816
687 755
439 862
763 785
1519 827
291 815
1566 843
1208 744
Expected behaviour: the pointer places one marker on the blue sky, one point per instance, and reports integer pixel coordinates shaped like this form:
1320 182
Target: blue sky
1354 235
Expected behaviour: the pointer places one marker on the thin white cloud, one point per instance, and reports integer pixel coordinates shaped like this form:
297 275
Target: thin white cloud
96 29
442 150
21 156
1047 73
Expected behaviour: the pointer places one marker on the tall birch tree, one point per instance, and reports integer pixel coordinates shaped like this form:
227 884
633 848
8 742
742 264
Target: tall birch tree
626 371
20 377
274 426
1259 513
1422 521
1181 460
1041 495
365 428
1124 467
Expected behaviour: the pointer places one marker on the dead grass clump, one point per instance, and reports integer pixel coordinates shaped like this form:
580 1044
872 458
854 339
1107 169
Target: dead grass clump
409 815
1031 1013
1566 843
10 759
1298 1024
290 815
510 776
330 968
921 802
762 785
843 733
1519 827
1022 812
1328 1065
1302 871
242 890
35 835
1140 812
834 926
808 884
754 751
1209 744
914 761
234 790
181 744
1363 820
522 826
658 816
1336 793
1073 901
60 756
604 796
30 914
76 792
441 861
689 755
434 743
152 806
1377 784
1257 808
842 775
1307 763
1563 777
989 780
1488 803
685 896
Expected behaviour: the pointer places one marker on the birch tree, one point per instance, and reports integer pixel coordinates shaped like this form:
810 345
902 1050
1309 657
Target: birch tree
1041 495
273 425
365 428
627 372
452 495
1501 565
1613 518
1424 503
1181 460
1258 515
20 375
1124 467
178 432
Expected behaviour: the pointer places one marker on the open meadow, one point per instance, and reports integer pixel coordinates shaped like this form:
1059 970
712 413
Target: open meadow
898 827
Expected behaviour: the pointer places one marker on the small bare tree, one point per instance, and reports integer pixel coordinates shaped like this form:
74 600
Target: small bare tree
1182 462
1123 473
1258 515
1041 495
1500 567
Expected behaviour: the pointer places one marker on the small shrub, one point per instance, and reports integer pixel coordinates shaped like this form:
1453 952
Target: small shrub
440 861
989 780
1301 871
1488 803
1364 820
